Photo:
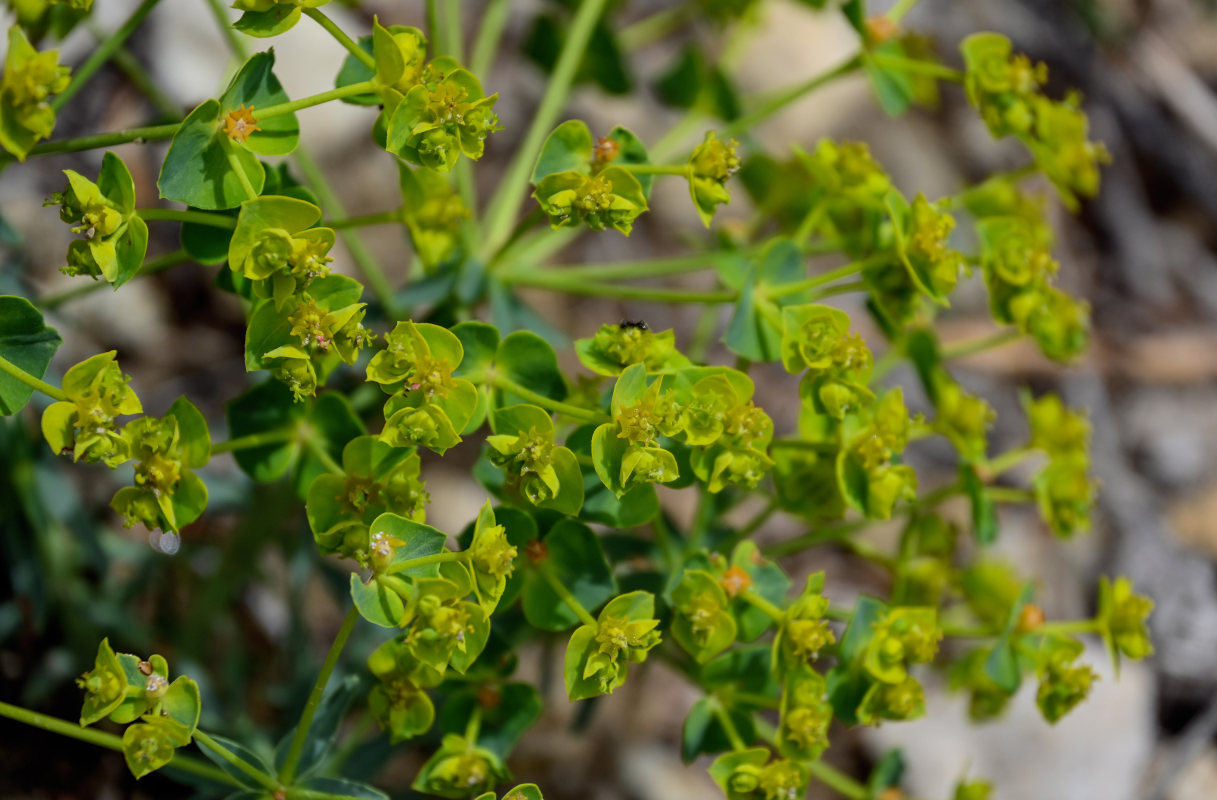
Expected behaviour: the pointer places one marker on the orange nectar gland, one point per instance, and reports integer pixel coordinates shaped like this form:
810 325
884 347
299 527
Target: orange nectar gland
1030 618
880 28
240 123
604 152
536 551
489 697
736 581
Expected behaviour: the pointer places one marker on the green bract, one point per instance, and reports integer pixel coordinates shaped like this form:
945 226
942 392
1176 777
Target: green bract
615 347
459 769
712 163
213 160
29 80
442 117
115 239
85 424
1122 616
264 18
166 494
598 656
1063 682
579 180
703 625
276 247
544 474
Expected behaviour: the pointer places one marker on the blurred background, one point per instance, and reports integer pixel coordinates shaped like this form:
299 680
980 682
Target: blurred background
243 604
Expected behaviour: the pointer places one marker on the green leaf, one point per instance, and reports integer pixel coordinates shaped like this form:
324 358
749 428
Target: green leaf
256 86
342 787
130 247
181 702
861 629
702 733
631 150
984 509
207 244
115 182
196 170
242 753
1001 665
755 330
269 406
376 603
893 87
418 540
355 71
577 559
324 729
531 362
569 147
335 424
279 18
27 342
480 342
193 436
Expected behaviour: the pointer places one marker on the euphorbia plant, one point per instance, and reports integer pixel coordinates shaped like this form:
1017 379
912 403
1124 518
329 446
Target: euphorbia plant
561 452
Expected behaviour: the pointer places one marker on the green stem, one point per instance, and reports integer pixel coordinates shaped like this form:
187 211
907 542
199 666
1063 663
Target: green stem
364 259
29 380
654 294
151 133
916 65
351 90
655 27
724 719
230 34
473 727
756 601
159 264
234 162
821 536
1070 627
656 169
837 780
452 29
426 561
63 727
501 213
318 16
649 268
1006 494
254 440
546 571
239 763
490 32
1008 460
288 773
852 268
102 54
197 217
785 97
578 412
900 9
980 344
317 447
141 80
382 218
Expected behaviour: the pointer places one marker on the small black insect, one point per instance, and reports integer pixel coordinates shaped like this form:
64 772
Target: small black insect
630 323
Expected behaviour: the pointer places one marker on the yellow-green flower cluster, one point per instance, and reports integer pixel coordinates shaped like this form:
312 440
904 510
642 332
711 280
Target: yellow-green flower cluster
1007 90
1064 489
29 80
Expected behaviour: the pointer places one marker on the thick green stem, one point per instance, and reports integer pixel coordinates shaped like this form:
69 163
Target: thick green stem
288 773
158 264
852 268
837 780
63 727
254 440
490 31
500 215
351 90
655 27
980 344
332 28
29 380
452 30
197 217
364 259
577 412
1008 460
102 54
238 763
547 572
913 65
230 153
